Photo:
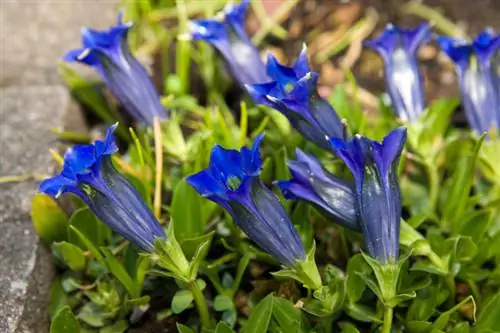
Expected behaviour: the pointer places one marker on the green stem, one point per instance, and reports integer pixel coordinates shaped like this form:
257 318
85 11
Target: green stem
388 312
183 51
201 305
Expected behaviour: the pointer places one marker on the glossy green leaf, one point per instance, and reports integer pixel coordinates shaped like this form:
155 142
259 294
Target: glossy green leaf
355 284
260 316
489 316
88 244
72 255
223 303
64 322
288 317
118 271
347 327
461 183
118 327
184 329
49 220
186 212
58 297
222 327
181 301
89 225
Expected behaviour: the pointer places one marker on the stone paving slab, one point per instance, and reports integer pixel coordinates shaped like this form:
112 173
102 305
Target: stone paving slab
35 34
26 269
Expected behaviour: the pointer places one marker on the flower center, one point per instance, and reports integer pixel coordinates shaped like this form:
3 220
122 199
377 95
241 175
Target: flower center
233 183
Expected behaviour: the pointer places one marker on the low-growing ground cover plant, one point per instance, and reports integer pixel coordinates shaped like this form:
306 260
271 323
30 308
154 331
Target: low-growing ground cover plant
259 204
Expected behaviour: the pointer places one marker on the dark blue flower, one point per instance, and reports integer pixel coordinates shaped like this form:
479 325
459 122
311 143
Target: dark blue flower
109 54
229 37
232 180
398 48
314 184
378 202
479 78
89 173
293 92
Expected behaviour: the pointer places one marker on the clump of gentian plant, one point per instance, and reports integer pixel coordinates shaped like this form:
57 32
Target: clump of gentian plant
478 77
202 225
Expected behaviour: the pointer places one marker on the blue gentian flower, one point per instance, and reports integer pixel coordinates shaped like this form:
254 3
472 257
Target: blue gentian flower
398 48
293 92
109 54
88 172
378 201
312 183
232 180
229 37
478 80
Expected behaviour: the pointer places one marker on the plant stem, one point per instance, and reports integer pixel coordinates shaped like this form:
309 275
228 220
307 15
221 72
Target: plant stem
159 166
201 305
388 312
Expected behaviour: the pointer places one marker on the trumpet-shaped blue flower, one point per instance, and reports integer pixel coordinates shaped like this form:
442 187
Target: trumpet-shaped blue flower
232 180
109 54
478 79
378 202
229 37
398 48
88 172
312 183
293 92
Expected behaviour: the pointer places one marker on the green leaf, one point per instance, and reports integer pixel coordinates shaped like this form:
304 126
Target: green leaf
88 244
289 318
462 327
49 220
362 313
461 183
184 329
348 328
181 301
355 284
198 257
140 301
191 245
186 212
173 139
89 225
223 303
64 322
72 256
489 316
93 315
424 305
222 327
444 318
302 223
118 327
476 225
58 297
116 268
260 317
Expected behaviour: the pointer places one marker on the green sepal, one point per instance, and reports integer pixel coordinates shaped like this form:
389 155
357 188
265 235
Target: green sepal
305 271
169 256
387 278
